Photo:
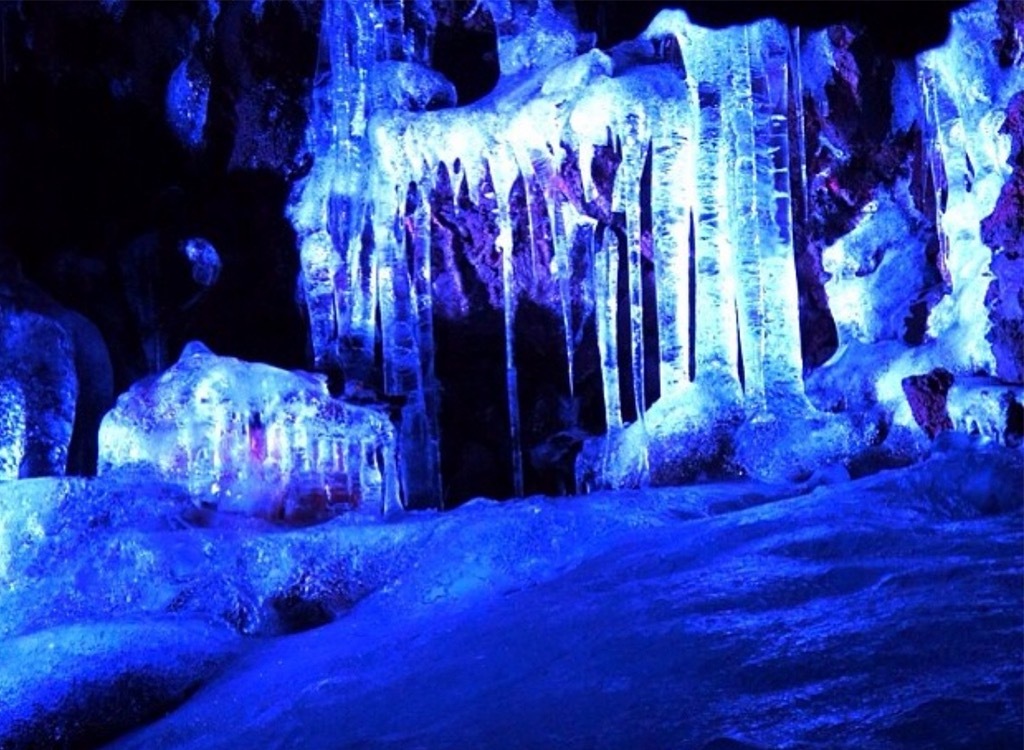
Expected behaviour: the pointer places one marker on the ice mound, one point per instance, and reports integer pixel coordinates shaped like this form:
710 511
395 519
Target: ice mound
251 438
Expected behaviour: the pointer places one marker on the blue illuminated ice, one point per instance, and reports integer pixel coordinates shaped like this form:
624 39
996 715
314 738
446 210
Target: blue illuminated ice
251 438
714 125
188 95
958 96
38 390
203 258
12 428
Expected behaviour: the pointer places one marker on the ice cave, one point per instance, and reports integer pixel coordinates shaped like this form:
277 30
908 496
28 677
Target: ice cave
511 374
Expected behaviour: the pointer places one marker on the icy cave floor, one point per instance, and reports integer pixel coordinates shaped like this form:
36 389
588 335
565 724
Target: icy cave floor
876 613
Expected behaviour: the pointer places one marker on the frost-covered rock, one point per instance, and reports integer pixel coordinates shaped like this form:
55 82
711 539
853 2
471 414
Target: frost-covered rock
37 394
255 439
59 360
405 85
12 428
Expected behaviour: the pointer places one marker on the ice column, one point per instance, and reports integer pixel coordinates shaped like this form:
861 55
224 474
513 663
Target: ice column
673 192
780 330
605 253
715 349
743 196
503 172
330 210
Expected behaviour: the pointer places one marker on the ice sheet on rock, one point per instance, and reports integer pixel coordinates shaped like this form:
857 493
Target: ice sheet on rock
876 272
251 438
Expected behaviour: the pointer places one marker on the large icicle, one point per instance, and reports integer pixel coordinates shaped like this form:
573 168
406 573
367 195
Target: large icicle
420 429
743 197
504 172
673 199
715 350
783 365
329 210
626 201
604 245
560 241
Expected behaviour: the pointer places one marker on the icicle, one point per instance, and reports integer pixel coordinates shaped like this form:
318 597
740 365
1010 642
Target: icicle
797 92
714 346
531 235
563 268
783 370
420 427
743 197
503 170
672 200
503 245
626 200
586 162
606 278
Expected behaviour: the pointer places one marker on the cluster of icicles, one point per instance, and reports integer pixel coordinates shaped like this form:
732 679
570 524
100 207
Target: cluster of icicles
716 133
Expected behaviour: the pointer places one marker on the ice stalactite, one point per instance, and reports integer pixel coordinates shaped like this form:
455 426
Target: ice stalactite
503 245
329 211
633 145
606 284
561 233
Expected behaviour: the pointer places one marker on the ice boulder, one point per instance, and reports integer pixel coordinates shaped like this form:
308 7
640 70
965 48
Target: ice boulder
251 438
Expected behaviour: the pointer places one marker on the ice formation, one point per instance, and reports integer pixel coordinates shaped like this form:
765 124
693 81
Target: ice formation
203 258
38 389
188 96
695 126
254 439
959 98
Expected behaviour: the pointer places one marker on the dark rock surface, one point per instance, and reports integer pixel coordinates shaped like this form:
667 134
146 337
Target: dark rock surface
927 397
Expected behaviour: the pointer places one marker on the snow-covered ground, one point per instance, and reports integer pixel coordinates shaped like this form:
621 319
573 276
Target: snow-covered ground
882 612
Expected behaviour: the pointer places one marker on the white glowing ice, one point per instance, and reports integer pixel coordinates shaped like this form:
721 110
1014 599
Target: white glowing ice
251 438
